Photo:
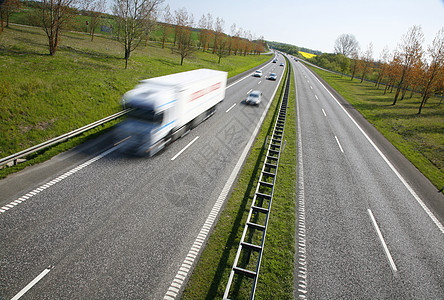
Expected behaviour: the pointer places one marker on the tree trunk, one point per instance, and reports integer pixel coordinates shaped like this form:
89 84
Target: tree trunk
127 55
398 91
423 102
386 87
403 93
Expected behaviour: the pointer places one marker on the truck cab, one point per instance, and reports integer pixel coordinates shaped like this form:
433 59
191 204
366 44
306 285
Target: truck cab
149 121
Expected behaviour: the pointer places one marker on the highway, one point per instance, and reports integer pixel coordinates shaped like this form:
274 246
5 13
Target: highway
369 225
96 224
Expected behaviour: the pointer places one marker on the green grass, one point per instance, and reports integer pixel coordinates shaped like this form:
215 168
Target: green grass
210 276
42 96
420 138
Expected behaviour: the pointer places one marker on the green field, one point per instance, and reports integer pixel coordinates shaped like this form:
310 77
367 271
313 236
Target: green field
210 276
420 138
43 96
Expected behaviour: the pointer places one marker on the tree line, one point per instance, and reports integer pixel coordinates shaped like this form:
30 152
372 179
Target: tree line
291 49
132 23
410 67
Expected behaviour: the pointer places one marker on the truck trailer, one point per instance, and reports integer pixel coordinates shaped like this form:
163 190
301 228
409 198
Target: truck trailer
163 109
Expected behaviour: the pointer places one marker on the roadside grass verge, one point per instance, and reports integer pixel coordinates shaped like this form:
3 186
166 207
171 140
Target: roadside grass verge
211 273
43 96
420 138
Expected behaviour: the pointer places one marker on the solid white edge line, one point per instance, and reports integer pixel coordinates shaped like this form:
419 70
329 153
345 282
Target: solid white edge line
381 238
209 222
339 144
185 148
59 178
32 283
301 239
230 107
409 188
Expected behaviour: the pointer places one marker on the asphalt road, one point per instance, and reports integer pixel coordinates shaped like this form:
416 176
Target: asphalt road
109 226
365 216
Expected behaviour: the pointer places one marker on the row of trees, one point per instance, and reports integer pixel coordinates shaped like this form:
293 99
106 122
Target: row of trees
408 67
135 20
210 34
291 49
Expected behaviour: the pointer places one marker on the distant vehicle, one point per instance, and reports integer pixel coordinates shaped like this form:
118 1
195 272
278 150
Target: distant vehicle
272 76
275 60
166 107
282 64
254 97
258 73
295 59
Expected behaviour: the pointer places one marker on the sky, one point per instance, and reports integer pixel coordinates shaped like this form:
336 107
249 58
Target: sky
316 24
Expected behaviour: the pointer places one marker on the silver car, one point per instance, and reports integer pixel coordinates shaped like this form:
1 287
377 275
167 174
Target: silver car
258 73
254 98
272 76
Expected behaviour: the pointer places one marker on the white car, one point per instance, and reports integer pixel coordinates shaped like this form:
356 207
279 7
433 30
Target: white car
254 97
258 73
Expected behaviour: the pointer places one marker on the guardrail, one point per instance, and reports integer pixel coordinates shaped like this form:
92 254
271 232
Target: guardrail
257 220
14 157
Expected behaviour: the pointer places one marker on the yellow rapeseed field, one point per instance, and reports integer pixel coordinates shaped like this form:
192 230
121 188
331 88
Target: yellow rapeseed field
307 55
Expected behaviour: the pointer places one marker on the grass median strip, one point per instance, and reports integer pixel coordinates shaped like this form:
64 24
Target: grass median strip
211 274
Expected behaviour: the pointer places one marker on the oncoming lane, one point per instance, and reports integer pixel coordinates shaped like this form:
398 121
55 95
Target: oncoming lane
364 228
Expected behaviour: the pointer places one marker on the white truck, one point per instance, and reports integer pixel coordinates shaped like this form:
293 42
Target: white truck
165 108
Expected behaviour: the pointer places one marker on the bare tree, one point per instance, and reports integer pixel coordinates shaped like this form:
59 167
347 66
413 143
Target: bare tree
179 21
218 33
346 44
132 17
184 22
367 61
235 33
150 26
383 66
167 19
55 15
7 8
409 52
434 74
98 7
356 64
393 72
208 31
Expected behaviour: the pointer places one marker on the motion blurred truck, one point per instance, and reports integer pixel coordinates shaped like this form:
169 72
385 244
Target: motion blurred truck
163 109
